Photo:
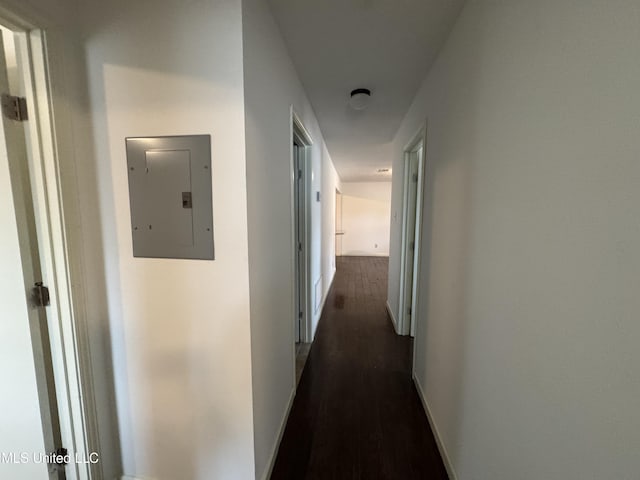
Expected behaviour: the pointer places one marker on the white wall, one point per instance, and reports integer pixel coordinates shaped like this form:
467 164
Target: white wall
179 328
526 349
365 218
271 87
330 183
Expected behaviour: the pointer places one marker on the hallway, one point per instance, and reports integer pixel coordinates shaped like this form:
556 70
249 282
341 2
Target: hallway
356 414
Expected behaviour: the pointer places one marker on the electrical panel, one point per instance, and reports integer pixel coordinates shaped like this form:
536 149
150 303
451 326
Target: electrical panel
170 196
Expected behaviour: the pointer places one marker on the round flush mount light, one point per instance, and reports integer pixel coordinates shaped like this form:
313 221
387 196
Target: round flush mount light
360 98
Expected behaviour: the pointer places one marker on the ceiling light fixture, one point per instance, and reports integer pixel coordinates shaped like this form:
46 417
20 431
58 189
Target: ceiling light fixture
383 170
360 98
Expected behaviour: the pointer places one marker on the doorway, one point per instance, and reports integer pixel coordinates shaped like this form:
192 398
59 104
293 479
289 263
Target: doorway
339 231
300 194
44 413
414 158
23 296
301 174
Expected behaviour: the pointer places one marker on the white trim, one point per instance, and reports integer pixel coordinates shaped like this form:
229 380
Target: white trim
69 341
420 135
392 316
331 277
128 477
436 433
292 196
300 133
276 445
318 299
405 326
304 134
15 16
69 344
418 236
403 243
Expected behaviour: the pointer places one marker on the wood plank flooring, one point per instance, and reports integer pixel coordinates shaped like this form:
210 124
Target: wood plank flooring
356 415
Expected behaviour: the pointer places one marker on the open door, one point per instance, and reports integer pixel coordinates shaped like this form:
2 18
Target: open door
300 241
29 420
339 231
414 160
301 218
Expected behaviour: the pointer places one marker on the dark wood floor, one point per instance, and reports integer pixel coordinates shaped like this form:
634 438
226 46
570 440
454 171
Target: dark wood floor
356 414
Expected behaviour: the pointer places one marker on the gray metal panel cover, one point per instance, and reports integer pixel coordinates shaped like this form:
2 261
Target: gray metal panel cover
170 196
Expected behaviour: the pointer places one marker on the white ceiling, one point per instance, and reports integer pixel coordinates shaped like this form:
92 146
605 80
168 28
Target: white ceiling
386 46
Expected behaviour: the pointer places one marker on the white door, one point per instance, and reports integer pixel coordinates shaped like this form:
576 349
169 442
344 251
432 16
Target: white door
300 239
339 231
412 183
29 426
413 198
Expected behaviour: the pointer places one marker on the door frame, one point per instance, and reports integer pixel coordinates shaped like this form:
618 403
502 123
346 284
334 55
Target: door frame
338 220
300 135
406 323
66 314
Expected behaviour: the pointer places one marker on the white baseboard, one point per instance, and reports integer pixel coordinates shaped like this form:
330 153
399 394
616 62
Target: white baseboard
443 451
393 318
324 300
127 477
276 446
318 295
326 294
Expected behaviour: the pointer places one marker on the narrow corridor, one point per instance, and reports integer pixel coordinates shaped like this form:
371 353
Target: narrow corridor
356 414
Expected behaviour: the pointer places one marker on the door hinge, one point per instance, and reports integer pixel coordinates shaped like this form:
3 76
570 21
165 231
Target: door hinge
300 246
299 314
412 245
14 108
415 178
299 174
409 310
41 295
58 459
